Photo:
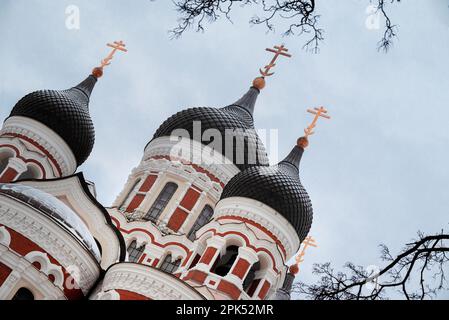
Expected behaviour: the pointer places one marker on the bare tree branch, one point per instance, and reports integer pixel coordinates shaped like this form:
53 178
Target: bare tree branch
300 14
408 274
390 28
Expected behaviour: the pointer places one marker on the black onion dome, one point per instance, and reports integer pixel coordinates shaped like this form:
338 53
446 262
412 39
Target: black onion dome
279 187
237 117
66 112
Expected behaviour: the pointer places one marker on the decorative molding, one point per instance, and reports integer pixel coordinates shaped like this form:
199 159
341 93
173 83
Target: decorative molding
45 137
156 243
109 295
248 254
73 192
218 165
29 154
241 235
5 237
50 236
47 267
178 170
263 215
17 164
26 273
147 281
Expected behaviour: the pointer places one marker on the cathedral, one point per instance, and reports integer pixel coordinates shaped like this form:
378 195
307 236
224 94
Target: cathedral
195 220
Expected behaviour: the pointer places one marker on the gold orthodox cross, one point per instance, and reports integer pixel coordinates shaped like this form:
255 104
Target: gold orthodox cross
278 51
318 112
116 46
308 242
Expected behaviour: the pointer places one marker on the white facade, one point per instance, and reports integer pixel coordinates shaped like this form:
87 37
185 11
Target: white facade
166 236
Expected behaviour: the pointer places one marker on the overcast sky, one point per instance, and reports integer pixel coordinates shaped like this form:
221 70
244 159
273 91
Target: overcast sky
376 173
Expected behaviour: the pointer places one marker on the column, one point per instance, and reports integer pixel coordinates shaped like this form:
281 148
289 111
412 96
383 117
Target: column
13 170
174 219
265 284
200 272
245 260
149 181
214 247
154 255
14 276
197 248
194 213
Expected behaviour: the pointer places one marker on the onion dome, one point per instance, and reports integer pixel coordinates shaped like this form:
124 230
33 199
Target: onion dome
55 210
279 187
66 112
233 122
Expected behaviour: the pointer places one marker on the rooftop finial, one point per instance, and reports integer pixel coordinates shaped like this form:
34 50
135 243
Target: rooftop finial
318 112
116 46
308 242
259 82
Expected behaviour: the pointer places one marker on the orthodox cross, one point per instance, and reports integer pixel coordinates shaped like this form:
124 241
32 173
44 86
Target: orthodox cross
116 46
318 112
308 242
278 51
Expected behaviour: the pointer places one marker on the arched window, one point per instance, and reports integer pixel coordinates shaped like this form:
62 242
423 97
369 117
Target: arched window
203 218
224 264
32 172
250 278
134 252
23 294
5 154
195 261
161 202
131 193
168 265
3 164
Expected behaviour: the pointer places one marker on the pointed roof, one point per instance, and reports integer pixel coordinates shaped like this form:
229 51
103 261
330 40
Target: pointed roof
292 160
86 87
66 112
247 102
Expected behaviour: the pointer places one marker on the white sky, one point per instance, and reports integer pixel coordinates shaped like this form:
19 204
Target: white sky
376 173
